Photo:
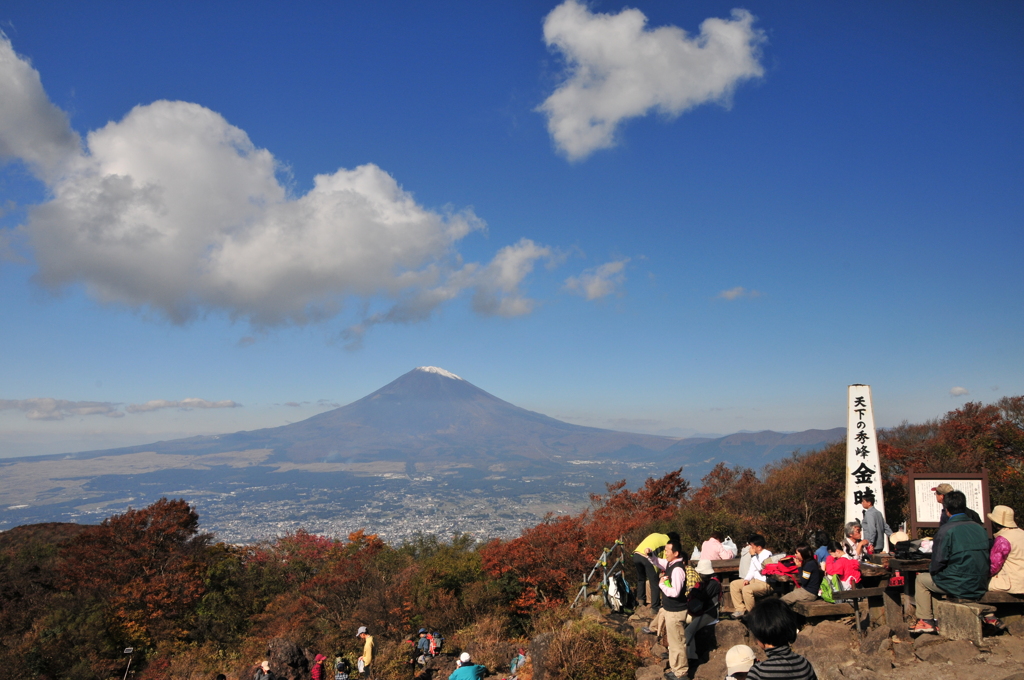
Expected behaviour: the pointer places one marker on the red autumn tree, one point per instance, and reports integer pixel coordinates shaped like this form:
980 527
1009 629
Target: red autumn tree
145 566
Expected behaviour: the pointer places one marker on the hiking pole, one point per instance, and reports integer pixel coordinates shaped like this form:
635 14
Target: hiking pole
128 651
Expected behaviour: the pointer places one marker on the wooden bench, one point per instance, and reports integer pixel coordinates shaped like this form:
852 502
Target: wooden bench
841 607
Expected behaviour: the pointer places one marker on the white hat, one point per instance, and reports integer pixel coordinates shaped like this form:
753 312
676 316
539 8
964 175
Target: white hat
739 659
704 568
362 629
1002 514
898 537
464 657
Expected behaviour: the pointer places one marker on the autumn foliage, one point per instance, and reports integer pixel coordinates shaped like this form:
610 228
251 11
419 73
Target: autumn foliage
72 598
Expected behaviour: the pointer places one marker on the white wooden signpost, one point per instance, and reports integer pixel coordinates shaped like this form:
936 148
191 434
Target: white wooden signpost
863 471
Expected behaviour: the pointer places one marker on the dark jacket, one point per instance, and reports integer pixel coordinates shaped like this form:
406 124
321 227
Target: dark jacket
704 598
960 558
809 577
974 517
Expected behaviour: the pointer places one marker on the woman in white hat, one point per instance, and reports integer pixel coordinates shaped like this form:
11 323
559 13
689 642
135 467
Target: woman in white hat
1006 560
1007 557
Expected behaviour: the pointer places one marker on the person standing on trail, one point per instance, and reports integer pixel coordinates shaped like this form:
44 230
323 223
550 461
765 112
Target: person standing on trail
366 659
673 591
645 571
874 527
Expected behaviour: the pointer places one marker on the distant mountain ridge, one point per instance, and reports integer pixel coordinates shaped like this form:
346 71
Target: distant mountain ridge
427 441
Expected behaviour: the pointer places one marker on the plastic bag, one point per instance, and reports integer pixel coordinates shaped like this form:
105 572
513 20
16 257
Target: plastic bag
695 555
730 545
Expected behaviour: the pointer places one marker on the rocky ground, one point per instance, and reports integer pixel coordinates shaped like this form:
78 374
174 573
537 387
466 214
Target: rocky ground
838 652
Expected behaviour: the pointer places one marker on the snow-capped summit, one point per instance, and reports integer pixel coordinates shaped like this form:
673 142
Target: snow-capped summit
439 371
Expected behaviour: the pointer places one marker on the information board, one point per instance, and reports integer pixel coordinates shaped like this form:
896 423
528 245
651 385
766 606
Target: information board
925 511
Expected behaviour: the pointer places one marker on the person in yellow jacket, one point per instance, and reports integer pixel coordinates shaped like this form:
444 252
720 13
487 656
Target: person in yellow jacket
645 571
364 662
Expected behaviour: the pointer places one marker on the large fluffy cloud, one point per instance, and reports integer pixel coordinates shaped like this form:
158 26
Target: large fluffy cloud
172 208
617 68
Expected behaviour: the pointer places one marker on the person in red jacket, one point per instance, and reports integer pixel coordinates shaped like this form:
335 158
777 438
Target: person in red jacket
317 671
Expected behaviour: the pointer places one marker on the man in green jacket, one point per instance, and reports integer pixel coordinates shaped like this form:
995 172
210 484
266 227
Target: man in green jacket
959 562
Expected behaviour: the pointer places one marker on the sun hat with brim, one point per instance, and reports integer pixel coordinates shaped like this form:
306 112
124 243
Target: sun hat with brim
1002 514
899 536
319 658
739 659
704 568
942 489
464 657
362 629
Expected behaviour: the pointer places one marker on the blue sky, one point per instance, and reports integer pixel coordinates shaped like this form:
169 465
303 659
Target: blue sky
670 226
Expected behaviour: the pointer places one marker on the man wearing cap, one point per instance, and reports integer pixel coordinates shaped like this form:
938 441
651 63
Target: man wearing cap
467 670
367 658
873 527
422 646
738 661
959 565
940 492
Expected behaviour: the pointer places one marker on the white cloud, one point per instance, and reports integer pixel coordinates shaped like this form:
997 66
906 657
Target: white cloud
58 409
184 404
739 292
31 127
600 281
959 392
174 209
617 68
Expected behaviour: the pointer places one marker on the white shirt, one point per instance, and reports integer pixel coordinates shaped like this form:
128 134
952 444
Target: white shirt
756 562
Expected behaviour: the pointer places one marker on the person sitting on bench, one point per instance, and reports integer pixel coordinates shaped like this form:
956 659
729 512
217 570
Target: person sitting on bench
1006 557
754 584
959 562
807 579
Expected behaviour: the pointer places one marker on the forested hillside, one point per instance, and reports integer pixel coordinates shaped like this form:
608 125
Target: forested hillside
73 597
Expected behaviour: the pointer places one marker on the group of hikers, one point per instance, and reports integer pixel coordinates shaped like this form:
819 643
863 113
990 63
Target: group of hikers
685 598
425 645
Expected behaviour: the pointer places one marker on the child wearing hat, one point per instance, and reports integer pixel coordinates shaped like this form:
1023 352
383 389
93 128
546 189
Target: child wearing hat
738 661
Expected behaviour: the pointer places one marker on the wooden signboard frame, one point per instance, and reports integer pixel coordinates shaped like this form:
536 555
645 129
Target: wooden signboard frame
936 478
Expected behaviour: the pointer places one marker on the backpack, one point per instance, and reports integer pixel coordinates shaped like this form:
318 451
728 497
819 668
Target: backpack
436 643
830 586
624 595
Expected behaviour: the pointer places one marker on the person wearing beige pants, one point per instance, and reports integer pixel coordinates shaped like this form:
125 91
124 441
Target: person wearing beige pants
753 585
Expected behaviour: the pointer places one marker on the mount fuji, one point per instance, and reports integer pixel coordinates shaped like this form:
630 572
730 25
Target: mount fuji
428 452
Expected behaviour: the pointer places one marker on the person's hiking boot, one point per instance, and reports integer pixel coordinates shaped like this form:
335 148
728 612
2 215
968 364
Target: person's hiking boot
669 675
647 630
991 620
736 616
923 626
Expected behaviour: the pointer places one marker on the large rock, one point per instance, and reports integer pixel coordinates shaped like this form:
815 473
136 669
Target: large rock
873 640
956 652
903 654
287 660
826 644
649 673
